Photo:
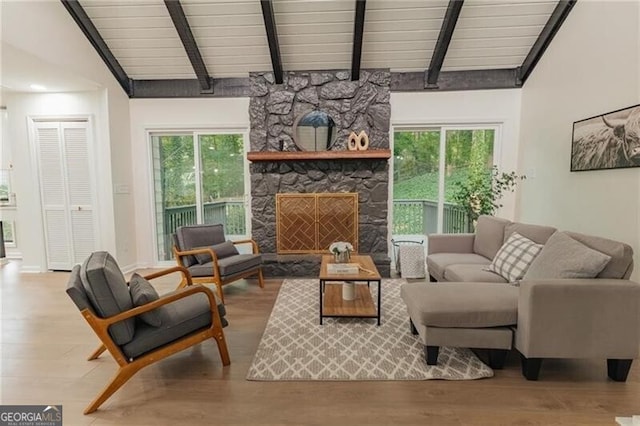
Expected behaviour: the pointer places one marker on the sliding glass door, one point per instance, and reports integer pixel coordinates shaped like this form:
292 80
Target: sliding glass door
427 164
198 178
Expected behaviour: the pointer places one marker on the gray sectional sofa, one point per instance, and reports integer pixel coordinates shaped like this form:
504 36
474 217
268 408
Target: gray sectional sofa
574 301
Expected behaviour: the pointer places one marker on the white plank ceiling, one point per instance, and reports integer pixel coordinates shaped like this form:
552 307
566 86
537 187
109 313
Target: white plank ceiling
315 35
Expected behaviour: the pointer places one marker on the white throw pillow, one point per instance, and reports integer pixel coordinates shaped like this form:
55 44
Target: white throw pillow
514 257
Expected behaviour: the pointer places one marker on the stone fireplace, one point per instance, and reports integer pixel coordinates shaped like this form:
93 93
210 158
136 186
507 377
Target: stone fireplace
353 106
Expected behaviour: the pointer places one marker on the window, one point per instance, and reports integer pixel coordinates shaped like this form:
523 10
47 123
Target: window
198 178
427 164
8 232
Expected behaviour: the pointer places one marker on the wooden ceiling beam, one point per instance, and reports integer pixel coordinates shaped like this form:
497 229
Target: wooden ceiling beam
190 88
400 82
272 37
549 31
442 45
358 32
505 78
189 42
91 32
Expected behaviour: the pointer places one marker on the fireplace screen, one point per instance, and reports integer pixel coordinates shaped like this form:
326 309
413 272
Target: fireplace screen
309 223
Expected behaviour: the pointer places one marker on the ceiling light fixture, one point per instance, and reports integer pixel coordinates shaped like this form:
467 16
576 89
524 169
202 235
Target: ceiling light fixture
37 87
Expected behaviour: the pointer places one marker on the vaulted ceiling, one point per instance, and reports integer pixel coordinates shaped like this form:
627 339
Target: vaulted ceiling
171 48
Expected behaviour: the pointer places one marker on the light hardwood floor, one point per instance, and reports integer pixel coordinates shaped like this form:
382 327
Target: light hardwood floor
45 342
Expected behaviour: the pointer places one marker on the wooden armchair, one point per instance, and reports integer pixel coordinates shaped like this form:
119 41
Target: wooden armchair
189 316
210 258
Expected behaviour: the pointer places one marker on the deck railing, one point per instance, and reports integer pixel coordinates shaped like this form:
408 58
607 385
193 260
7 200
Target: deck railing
421 217
229 213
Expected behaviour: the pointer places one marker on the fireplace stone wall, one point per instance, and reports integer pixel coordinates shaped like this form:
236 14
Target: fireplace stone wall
354 106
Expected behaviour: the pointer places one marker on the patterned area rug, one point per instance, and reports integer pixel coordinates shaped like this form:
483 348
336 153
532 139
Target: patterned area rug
296 347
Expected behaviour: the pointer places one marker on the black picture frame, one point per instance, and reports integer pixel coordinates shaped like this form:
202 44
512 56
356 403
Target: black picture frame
607 141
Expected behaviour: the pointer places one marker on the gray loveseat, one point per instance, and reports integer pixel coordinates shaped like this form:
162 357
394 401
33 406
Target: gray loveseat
574 317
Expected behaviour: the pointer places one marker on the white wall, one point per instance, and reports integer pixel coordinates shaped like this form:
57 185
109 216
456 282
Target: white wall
478 107
28 213
591 67
45 30
171 114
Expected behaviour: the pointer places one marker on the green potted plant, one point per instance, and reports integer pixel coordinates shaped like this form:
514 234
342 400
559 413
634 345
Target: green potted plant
482 191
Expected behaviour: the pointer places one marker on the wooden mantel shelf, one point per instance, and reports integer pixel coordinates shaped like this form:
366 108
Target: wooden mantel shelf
318 155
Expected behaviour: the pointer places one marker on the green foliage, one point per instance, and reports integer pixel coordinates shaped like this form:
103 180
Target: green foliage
222 168
417 161
425 186
482 191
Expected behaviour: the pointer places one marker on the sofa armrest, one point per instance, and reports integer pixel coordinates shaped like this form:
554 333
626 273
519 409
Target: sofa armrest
450 243
579 318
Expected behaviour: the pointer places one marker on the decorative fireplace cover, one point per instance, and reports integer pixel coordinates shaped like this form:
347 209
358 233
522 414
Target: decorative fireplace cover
309 223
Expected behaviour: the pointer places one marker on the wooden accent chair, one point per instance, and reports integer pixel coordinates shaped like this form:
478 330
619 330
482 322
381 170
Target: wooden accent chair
210 258
187 316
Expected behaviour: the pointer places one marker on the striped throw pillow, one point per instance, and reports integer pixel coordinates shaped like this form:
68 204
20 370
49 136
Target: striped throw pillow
514 257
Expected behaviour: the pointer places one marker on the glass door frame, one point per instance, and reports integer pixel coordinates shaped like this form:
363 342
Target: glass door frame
494 125
196 132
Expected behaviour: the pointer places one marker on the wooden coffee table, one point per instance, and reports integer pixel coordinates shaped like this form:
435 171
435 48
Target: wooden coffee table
331 302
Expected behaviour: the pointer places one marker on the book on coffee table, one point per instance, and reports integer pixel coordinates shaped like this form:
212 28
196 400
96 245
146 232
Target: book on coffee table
343 268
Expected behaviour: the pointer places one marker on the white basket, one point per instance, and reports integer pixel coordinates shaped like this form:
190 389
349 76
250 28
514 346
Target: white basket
411 261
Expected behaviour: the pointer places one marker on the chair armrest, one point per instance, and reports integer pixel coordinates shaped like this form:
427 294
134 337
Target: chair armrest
184 271
254 245
165 299
450 243
208 250
579 318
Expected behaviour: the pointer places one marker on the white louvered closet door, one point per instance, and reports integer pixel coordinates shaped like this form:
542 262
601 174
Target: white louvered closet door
65 185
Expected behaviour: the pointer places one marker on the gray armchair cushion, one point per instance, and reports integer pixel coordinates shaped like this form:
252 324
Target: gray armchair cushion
564 257
108 293
186 316
192 236
142 292
489 235
75 290
240 263
221 250
228 266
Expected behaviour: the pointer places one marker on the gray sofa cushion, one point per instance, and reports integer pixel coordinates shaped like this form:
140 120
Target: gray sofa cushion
186 316
621 264
564 257
468 305
108 293
221 250
472 273
489 235
438 263
142 292
536 233
228 266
